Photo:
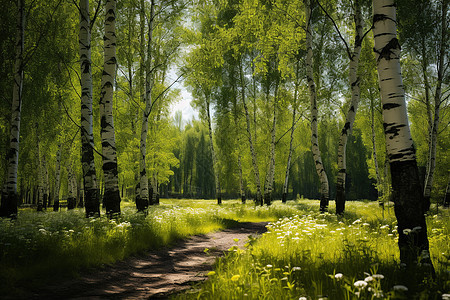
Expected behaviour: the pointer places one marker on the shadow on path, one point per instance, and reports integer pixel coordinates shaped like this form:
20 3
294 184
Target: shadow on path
156 274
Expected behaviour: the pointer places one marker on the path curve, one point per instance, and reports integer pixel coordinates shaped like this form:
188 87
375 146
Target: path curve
156 274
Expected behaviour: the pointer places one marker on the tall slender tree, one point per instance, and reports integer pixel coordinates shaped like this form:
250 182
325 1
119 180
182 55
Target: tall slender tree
406 185
92 203
324 187
431 163
144 195
111 196
8 207
351 113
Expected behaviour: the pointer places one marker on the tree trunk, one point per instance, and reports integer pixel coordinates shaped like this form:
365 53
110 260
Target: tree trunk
111 196
250 140
288 167
271 171
374 151
71 199
406 185
213 154
58 180
350 118
40 203
437 104
8 206
92 203
144 200
324 187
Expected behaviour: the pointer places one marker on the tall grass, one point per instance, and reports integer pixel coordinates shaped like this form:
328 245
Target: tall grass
321 256
38 247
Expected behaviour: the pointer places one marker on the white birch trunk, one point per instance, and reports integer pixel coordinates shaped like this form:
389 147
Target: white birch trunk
40 203
57 179
92 203
437 104
407 192
324 187
288 166
213 154
71 188
143 183
111 196
8 207
250 140
271 171
351 114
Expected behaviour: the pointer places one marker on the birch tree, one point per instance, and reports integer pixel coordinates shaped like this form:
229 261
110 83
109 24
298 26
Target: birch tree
441 67
351 113
407 191
144 196
111 196
324 187
91 196
8 207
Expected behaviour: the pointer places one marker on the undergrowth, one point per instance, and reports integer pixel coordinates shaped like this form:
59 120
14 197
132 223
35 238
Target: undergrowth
39 247
322 256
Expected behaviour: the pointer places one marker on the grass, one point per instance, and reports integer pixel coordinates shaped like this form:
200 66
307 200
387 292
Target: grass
321 256
39 247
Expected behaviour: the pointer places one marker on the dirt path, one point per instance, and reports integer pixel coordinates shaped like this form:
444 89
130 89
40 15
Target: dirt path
156 274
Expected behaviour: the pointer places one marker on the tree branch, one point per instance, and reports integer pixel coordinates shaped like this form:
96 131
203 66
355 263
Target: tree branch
337 29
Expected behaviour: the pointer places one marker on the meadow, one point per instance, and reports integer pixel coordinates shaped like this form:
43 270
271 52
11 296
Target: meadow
304 254
322 256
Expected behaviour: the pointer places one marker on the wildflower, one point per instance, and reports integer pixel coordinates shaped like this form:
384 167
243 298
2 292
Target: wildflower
444 297
296 269
417 228
338 276
368 279
269 266
406 231
360 284
378 276
400 288
235 277
212 273
356 221
304 298
366 224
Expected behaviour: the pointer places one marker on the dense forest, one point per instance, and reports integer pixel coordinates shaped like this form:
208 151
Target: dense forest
87 91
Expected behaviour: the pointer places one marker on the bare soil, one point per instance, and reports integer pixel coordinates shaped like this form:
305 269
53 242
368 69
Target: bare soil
156 274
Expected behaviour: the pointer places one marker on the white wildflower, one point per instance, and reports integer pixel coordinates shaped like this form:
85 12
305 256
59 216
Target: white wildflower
378 276
360 284
400 288
338 276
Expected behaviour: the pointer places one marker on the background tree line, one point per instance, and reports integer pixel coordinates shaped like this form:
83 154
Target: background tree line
244 63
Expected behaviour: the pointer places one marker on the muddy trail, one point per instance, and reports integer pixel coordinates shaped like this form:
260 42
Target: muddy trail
155 274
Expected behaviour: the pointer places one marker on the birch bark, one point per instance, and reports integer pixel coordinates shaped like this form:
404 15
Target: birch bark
350 118
58 179
8 206
145 200
250 140
92 204
271 171
213 154
288 167
437 105
324 187
111 196
407 191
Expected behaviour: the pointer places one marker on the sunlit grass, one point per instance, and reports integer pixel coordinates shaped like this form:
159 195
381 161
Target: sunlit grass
316 256
38 247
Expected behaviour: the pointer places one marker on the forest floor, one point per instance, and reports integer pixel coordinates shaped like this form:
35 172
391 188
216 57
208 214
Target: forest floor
154 274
